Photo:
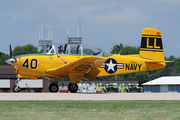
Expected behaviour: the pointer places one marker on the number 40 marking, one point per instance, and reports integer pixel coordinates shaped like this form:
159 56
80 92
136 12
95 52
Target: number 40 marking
34 64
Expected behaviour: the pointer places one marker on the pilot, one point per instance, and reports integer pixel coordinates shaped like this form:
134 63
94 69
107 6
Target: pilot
60 49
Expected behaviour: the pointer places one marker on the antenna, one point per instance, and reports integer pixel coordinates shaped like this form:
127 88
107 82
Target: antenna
44 31
75 40
121 50
68 32
79 27
51 35
39 34
78 31
42 40
48 34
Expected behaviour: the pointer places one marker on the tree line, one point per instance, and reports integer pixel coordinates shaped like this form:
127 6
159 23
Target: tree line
19 50
171 69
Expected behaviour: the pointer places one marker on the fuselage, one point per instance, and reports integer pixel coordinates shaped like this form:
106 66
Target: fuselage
35 65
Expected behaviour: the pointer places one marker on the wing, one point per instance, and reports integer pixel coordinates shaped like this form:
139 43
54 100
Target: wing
80 66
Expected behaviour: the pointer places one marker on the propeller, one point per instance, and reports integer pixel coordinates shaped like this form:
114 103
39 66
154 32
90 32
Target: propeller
10 49
11 60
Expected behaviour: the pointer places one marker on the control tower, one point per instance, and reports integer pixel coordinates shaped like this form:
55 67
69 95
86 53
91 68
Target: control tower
75 40
43 42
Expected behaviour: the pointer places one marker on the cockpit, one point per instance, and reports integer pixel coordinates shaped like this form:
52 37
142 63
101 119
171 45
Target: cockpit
72 49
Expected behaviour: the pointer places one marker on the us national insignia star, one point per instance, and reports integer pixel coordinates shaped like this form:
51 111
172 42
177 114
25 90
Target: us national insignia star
110 66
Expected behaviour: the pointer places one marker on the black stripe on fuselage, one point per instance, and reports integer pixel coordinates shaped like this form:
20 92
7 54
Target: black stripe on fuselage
154 50
151 35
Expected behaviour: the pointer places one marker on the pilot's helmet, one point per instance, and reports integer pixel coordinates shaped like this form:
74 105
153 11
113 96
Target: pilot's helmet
60 46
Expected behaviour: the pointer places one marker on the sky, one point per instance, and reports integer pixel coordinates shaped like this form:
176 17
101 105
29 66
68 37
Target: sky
104 23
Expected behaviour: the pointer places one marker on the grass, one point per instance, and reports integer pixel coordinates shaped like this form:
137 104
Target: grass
90 110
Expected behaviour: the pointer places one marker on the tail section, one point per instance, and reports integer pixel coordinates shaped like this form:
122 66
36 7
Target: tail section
151 45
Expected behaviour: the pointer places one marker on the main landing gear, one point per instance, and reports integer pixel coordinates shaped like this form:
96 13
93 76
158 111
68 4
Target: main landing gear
72 87
53 87
16 88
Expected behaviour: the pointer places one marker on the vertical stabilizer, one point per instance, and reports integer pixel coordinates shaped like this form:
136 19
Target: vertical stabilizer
151 45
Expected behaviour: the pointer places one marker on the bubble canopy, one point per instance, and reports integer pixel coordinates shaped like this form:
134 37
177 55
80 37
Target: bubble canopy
72 49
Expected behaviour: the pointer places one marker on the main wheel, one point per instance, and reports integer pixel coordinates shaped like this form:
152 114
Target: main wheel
53 87
16 89
72 87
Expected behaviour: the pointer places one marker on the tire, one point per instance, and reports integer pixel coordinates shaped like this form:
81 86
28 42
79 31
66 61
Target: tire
54 88
15 89
72 87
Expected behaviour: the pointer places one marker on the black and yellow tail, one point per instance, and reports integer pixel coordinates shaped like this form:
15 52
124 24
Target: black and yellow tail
151 45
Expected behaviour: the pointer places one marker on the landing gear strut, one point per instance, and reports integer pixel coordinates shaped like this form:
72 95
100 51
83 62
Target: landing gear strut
17 88
53 87
72 87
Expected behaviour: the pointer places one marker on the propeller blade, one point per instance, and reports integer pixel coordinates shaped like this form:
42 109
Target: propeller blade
10 49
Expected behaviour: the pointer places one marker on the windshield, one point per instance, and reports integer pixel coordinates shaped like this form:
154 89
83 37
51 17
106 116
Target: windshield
75 49
89 50
48 49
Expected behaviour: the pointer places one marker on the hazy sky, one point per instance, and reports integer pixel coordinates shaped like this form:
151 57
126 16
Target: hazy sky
104 23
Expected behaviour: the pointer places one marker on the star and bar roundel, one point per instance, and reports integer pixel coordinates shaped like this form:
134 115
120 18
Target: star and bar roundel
111 65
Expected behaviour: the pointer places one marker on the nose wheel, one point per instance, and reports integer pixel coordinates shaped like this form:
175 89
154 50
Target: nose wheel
17 88
72 87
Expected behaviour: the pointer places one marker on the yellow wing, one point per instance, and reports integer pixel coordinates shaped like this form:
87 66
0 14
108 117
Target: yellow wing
80 67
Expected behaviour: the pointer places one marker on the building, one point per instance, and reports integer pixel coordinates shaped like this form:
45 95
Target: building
8 78
163 84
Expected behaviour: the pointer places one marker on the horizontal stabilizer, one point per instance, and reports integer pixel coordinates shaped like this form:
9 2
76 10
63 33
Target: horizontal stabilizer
168 61
157 61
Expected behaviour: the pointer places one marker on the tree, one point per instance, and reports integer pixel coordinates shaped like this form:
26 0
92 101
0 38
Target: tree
3 58
19 50
124 50
26 49
116 49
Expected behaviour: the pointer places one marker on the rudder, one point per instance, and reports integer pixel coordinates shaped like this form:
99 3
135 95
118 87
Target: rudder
151 45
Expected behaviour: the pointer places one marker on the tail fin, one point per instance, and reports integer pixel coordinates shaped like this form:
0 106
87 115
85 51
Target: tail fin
151 45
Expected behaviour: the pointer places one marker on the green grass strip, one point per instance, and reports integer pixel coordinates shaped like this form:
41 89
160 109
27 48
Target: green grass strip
90 110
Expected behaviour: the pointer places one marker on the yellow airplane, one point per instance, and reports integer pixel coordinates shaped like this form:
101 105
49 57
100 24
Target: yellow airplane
77 61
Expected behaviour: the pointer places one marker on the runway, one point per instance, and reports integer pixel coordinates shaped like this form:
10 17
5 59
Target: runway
81 96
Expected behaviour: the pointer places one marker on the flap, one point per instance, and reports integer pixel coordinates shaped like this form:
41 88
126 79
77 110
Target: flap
81 65
92 74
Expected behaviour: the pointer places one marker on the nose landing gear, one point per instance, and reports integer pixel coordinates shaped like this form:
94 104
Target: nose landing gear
16 88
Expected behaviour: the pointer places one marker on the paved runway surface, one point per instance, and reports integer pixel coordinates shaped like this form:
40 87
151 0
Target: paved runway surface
82 96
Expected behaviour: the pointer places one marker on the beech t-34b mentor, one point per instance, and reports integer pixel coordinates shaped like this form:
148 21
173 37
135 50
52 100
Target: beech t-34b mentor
77 61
